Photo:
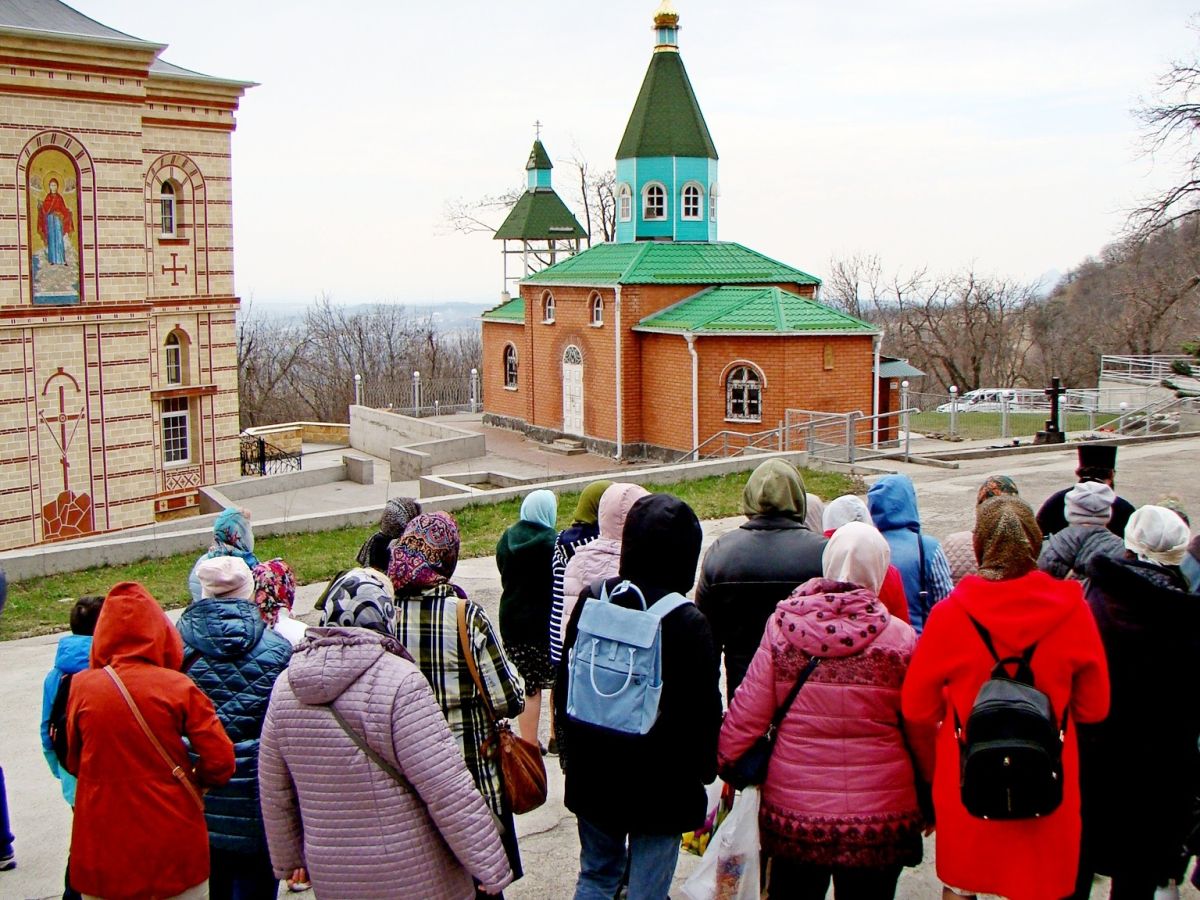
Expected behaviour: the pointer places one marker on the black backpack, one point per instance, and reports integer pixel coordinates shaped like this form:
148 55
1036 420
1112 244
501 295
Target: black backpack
58 720
1010 752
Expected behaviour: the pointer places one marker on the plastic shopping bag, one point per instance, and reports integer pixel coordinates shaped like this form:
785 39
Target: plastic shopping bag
720 800
729 870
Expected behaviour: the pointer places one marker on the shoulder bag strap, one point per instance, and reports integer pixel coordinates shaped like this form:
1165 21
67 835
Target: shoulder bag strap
464 647
921 554
360 742
177 771
782 711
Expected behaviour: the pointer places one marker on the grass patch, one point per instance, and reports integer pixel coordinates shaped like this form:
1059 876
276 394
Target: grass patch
987 424
36 605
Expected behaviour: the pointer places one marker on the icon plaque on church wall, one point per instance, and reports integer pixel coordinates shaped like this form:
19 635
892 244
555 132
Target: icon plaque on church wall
53 207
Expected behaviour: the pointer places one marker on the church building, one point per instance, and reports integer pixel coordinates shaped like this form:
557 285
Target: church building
117 343
653 343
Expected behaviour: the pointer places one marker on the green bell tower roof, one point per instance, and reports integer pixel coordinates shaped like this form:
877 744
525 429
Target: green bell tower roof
666 119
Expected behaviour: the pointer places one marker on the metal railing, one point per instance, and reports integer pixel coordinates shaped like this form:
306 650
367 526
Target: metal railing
259 457
421 396
1165 416
1143 368
844 437
948 417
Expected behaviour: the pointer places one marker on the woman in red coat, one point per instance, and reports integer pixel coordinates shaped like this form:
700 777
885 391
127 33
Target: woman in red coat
1022 859
138 832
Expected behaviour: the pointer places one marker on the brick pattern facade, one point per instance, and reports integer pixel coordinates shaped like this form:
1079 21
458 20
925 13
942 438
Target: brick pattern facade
84 385
828 373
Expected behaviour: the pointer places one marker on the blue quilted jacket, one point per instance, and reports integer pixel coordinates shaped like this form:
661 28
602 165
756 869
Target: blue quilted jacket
234 658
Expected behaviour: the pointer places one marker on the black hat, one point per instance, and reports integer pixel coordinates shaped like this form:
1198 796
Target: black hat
1098 456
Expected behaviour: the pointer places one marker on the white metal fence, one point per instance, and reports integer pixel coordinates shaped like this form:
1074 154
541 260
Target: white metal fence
422 396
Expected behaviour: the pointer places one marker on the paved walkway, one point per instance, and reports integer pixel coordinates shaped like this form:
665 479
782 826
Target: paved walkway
549 846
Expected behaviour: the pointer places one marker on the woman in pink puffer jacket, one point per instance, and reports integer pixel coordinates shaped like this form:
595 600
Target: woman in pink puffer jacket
331 809
600 558
840 799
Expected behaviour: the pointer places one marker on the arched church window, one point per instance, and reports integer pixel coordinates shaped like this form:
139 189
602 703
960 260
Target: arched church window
743 395
166 201
510 367
625 203
597 310
654 202
173 353
548 308
693 202
712 202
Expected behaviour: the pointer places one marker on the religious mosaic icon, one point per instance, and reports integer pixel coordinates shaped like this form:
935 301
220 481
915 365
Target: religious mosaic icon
53 197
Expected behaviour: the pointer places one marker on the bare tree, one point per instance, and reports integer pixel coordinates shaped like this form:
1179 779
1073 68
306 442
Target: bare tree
1171 120
485 214
596 194
269 350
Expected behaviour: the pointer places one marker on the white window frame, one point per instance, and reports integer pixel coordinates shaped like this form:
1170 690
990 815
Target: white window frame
743 380
173 356
697 192
173 412
661 190
597 310
547 308
511 371
713 191
624 203
168 210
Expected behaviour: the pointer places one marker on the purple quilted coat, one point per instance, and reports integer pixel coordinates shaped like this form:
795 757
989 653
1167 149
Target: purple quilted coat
329 808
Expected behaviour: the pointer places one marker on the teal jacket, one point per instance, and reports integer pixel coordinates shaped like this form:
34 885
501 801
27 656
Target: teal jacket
71 656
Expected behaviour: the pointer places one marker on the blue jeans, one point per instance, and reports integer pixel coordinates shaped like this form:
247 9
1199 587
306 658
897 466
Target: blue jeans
6 836
602 859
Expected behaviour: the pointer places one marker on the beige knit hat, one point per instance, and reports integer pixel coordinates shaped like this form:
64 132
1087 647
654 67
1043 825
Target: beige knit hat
225 577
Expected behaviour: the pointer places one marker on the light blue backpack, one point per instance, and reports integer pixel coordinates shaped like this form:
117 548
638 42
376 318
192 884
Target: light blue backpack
615 669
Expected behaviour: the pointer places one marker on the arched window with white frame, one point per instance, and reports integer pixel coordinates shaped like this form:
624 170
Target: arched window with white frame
743 394
654 202
548 308
167 211
693 202
173 358
624 203
510 367
597 309
713 190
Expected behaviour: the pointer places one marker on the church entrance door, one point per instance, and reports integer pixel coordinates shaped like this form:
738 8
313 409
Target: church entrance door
572 380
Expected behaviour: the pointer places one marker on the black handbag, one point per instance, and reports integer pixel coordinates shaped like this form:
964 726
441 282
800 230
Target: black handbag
751 767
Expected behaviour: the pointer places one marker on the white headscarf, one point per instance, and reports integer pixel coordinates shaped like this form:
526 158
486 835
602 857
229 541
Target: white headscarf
858 554
847 508
1157 534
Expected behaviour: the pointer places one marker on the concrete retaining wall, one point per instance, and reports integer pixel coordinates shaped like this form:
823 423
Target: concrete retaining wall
52 559
413 446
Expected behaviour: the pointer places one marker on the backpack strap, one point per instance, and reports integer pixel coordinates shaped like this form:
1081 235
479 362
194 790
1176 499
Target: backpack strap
621 588
667 604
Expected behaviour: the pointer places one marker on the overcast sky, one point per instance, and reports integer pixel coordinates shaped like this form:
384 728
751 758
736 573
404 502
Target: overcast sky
994 132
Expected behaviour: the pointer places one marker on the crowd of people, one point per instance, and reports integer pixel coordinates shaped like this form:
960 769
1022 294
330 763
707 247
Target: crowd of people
365 756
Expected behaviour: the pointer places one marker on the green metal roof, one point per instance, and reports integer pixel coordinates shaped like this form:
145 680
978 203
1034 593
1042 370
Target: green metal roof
666 119
509 311
761 310
539 215
670 262
889 367
538 157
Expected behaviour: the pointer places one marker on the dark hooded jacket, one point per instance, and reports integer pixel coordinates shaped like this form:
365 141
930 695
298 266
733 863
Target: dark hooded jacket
1140 767
748 571
524 556
137 832
652 783
234 658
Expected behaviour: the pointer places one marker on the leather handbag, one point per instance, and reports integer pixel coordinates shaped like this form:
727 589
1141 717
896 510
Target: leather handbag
178 772
522 772
751 767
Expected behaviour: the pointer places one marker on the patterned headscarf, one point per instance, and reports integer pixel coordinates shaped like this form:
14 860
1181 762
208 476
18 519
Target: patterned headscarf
540 508
274 589
1175 505
426 555
1007 538
231 534
361 598
996 486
